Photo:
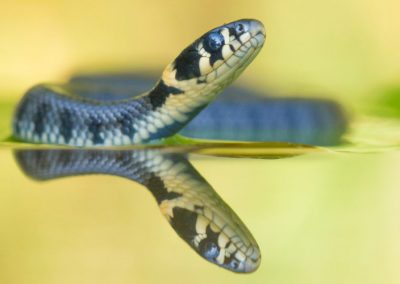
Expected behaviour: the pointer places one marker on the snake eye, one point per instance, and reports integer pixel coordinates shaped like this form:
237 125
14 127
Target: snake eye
210 250
213 42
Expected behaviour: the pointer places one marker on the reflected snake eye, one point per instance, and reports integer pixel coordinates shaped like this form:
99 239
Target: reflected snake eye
213 42
210 250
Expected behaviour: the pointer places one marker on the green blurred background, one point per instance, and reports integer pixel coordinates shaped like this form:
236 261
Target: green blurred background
347 49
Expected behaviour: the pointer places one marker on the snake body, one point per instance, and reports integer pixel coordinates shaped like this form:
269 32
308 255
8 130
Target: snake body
237 114
54 114
192 207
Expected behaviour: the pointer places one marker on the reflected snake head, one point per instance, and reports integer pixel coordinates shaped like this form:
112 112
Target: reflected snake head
219 237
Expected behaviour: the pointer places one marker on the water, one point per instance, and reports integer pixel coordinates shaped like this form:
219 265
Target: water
319 215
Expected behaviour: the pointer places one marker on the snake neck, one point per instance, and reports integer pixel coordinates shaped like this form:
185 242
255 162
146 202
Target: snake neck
177 102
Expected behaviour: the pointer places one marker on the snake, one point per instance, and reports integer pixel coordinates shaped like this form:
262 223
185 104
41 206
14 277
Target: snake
192 207
106 111
53 114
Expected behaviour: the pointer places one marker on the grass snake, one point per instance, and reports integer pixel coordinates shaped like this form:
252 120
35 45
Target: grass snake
105 111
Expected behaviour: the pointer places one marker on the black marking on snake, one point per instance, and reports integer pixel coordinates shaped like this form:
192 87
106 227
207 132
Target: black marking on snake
66 124
184 223
187 64
65 158
198 207
161 92
209 246
126 123
232 31
215 56
95 127
159 190
39 118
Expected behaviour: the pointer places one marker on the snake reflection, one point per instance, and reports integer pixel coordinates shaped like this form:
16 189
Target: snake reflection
192 207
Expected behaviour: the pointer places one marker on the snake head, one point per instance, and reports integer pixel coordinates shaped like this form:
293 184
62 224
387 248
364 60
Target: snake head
218 56
218 235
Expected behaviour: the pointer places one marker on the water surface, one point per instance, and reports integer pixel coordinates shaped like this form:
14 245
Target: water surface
319 215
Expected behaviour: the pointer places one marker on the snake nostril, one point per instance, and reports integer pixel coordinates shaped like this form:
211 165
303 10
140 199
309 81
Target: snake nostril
240 28
234 264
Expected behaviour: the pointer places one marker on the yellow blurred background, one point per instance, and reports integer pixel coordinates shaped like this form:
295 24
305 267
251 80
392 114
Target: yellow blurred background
343 49
319 218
